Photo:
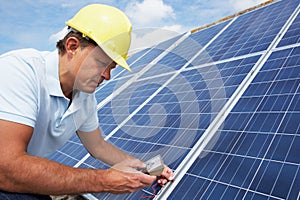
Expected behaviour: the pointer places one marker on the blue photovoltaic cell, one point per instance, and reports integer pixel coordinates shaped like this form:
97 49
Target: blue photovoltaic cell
110 86
292 36
257 154
132 97
251 32
204 36
70 153
171 62
184 51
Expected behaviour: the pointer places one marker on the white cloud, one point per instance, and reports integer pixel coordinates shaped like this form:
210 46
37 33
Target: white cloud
239 5
148 37
149 12
177 28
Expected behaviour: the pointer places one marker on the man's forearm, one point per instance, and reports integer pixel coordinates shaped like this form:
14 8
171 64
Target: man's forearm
110 154
101 149
28 174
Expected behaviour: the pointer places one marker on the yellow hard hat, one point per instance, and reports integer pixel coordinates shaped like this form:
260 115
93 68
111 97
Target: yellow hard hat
108 27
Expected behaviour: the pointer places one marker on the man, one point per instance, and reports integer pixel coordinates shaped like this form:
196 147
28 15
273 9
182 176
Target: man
47 96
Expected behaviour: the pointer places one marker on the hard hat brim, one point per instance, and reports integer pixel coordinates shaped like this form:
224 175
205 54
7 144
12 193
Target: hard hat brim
115 57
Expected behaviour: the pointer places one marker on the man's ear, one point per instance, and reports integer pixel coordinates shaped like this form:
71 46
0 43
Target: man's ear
72 44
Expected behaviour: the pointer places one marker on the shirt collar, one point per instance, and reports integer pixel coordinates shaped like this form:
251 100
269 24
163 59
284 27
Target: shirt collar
52 71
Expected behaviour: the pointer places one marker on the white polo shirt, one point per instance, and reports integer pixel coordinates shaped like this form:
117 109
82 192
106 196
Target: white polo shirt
30 94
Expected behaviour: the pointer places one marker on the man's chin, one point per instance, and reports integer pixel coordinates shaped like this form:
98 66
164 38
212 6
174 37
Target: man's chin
89 90
92 90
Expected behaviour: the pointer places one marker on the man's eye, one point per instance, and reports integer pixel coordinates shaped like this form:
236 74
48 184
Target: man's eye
101 64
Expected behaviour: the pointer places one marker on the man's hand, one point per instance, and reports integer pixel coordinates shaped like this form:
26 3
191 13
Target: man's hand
124 178
166 176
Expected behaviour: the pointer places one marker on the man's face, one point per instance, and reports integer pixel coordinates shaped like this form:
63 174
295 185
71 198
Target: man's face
93 67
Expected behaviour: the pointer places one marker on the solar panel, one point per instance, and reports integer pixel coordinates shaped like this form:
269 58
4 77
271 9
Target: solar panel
292 36
257 154
220 105
251 32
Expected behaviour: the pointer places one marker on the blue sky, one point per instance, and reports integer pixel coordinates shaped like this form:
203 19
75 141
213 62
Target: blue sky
37 23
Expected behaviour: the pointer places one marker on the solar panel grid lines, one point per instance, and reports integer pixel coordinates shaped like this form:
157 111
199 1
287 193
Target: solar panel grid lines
199 187
172 84
202 50
154 94
225 194
272 141
271 46
284 161
184 54
116 106
181 82
292 36
250 33
199 146
207 136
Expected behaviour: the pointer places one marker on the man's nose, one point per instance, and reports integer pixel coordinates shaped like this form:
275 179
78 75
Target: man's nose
106 74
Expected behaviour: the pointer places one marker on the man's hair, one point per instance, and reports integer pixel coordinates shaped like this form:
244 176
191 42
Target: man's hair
84 41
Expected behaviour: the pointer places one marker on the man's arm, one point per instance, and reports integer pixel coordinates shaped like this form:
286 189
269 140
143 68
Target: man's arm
99 148
20 172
